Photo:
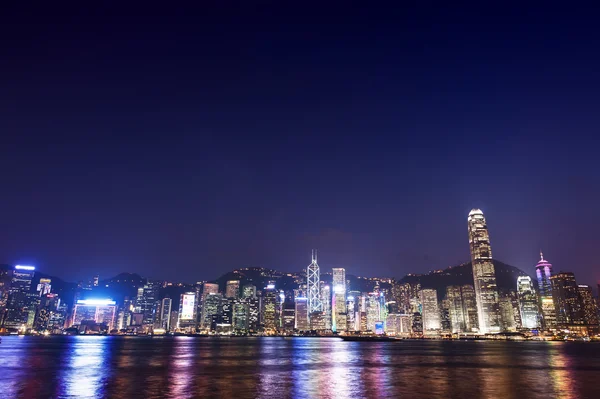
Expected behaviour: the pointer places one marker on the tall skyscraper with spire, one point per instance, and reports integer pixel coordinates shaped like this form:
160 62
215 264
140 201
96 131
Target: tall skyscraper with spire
313 278
484 275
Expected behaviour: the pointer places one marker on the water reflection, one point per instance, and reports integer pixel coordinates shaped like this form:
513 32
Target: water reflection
129 367
83 376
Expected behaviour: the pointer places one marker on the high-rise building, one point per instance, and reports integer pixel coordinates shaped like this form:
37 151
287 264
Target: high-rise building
165 313
338 302
528 303
146 302
313 279
543 272
456 309
241 311
431 312
20 301
565 294
232 290
211 311
288 317
589 309
469 308
507 314
187 311
270 304
484 275
326 304
205 317
44 286
301 314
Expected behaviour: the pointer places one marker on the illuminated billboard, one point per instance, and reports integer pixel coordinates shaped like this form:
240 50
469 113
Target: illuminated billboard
21 267
379 327
187 307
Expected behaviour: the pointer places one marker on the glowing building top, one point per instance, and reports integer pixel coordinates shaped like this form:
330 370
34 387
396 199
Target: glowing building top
543 272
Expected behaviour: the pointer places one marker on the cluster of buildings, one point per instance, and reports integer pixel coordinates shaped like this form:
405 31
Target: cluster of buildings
553 304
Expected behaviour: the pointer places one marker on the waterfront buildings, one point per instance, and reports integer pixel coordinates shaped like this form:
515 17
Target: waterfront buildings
301 314
187 311
484 276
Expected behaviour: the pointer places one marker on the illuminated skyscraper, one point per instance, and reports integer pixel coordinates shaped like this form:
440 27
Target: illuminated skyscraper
165 313
589 309
211 311
20 301
456 308
543 272
232 290
484 275
187 311
326 303
313 278
301 314
269 309
565 294
249 291
146 302
431 312
338 303
469 308
528 303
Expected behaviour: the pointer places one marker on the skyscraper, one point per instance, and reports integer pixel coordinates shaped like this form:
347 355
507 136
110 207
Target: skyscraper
589 309
301 314
431 312
565 294
528 304
484 275
456 308
543 272
313 277
19 297
469 308
165 313
270 305
338 303
187 311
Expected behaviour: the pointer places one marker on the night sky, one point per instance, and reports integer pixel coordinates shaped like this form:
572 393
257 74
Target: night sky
183 143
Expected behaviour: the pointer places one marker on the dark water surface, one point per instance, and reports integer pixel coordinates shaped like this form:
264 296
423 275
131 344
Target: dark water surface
182 367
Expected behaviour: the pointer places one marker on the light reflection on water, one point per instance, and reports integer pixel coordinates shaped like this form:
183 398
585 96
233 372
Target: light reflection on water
182 367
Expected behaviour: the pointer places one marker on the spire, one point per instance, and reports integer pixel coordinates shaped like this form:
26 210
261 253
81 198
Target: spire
315 256
541 255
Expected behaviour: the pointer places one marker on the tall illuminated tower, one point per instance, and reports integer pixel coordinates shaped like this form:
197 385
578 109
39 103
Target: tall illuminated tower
313 277
484 275
528 302
338 303
543 272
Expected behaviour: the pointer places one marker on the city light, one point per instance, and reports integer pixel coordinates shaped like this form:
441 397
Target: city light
339 289
270 286
96 302
22 267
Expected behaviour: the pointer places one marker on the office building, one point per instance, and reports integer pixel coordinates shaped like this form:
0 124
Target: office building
20 300
270 305
187 311
565 294
338 301
165 314
528 302
431 312
456 309
211 311
589 309
484 275
301 314
249 291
